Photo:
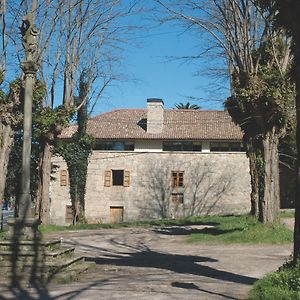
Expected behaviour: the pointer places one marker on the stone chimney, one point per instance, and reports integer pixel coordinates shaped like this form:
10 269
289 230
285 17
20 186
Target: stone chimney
155 115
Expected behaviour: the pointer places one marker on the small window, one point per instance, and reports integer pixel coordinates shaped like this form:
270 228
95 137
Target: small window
117 178
64 178
182 146
226 147
177 198
177 178
114 145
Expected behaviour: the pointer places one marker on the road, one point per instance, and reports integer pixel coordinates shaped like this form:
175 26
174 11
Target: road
151 263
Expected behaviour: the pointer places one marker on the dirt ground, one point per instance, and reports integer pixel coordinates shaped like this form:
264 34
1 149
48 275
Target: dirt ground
151 263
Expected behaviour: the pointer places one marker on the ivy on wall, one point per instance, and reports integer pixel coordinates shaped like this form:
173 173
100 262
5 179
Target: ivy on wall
76 154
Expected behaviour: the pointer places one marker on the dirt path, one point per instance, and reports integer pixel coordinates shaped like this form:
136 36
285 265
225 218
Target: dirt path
154 264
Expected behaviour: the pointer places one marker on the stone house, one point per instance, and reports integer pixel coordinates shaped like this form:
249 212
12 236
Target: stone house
153 163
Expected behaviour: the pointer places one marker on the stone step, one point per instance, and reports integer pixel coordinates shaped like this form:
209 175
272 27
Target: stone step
20 253
8 243
54 266
61 252
71 273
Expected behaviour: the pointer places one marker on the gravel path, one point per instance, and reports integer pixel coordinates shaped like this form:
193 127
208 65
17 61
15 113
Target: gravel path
159 264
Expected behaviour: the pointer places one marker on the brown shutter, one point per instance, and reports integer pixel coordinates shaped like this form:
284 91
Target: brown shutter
173 179
126 178
63 177
107 178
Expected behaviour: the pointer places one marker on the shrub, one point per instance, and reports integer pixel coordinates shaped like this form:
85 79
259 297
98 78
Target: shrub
282 285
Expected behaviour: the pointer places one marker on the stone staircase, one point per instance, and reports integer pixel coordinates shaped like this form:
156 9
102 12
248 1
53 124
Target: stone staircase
42 260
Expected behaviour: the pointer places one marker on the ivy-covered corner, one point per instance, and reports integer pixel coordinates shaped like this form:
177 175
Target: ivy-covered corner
76 154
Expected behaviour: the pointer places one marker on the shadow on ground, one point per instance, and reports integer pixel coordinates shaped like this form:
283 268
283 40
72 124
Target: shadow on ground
185 230
138 255
144 257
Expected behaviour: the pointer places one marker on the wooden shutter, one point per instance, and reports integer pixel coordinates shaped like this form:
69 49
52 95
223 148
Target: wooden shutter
63 177
107 178
180 179
126 178
177 178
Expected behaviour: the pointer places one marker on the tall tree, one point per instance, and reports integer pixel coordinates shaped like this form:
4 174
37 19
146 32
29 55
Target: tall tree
289 11
256 55
88 34
72 35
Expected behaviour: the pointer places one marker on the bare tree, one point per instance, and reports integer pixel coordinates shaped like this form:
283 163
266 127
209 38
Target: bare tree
89 36
204 186
244 36
73 35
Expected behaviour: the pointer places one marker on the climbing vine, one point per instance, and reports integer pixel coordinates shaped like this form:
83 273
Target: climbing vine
77 151
76 154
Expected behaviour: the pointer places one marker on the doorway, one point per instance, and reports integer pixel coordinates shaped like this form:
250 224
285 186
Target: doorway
116 214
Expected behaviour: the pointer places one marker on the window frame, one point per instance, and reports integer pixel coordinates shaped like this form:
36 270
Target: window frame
226 146
177 198
182 146
109 178
177 179
64 177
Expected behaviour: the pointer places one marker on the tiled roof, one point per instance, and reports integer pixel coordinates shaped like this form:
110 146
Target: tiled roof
178 124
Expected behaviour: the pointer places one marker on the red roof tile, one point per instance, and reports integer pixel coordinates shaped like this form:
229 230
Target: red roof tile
178 124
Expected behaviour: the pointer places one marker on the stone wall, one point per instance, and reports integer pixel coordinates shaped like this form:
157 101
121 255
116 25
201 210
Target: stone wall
59 195
214 183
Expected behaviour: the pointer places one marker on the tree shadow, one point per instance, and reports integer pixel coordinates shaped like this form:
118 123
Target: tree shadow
192 286
23 261
183 230
144 257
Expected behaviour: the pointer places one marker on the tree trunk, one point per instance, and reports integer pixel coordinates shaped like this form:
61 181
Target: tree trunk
42 210
254 179
297 200
270 203
6 141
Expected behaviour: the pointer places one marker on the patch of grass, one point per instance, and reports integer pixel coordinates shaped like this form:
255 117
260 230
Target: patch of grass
287 213
3 234
241 229
146 223
283 284
228 229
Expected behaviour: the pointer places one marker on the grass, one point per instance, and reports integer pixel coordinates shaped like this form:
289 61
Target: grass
287 213
147 223
3 234
283 284
228 230
242 229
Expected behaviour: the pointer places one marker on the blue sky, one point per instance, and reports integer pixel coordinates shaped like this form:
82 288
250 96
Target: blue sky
151 73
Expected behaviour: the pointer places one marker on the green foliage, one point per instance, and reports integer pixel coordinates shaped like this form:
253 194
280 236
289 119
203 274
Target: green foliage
283 284
187 105
76 153
49 122
14 170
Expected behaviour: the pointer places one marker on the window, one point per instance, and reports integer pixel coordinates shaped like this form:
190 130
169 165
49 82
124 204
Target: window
226 147
117 178
64 178
181 146
177 198
177 178
114 145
